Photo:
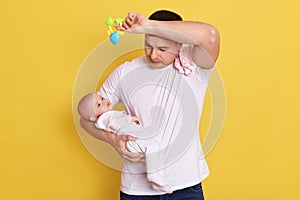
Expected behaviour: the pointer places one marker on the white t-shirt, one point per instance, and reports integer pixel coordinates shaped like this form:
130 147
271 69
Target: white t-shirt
170 105
118 122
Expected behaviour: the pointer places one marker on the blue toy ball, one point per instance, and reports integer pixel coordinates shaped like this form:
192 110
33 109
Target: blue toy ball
114 38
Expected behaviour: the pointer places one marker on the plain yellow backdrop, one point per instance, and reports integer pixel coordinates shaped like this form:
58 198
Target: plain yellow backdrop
43 44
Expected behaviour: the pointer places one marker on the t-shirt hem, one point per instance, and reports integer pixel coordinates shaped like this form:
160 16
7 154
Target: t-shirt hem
174 188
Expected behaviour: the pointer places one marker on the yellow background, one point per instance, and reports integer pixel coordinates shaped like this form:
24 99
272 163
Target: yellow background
43 44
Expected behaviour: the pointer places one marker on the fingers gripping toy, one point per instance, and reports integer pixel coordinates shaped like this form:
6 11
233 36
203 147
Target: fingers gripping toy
114 35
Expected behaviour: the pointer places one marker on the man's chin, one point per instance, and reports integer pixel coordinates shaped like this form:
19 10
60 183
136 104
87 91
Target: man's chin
156 65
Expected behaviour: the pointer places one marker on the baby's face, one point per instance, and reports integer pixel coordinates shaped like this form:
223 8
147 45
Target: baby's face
101 105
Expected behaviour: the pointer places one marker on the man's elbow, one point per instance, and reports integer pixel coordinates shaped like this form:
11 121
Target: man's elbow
214 36
83 123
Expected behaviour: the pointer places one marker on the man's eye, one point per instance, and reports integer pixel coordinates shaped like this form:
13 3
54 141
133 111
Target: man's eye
162 49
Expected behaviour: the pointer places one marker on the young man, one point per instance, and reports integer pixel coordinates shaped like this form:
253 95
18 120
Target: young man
168 83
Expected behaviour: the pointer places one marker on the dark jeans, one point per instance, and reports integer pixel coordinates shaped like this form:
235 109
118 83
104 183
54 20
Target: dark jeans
191 193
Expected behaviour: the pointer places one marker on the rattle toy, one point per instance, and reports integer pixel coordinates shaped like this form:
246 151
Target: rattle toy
114 35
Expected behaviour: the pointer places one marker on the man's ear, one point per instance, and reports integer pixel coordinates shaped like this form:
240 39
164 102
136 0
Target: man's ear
93 118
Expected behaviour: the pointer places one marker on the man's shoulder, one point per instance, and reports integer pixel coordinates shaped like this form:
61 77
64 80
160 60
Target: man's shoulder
126 67
135 63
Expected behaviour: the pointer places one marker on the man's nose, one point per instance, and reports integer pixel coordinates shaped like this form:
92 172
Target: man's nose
153 53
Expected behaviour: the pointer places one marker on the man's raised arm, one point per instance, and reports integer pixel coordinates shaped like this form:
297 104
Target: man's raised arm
204 37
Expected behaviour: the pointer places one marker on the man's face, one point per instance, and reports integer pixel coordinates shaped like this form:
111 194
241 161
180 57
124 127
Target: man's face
160 52
101 105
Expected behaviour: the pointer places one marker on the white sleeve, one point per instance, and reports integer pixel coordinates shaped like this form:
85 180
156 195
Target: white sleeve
186 52
104 122
113 121
111 87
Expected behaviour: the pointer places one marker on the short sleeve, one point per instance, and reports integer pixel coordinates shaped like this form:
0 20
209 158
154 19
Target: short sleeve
186 52
110 88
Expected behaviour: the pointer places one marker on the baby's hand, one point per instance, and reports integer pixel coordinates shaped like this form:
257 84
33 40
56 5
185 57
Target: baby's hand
136 120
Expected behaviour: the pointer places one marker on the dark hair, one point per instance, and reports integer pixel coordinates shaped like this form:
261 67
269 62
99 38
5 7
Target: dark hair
165 15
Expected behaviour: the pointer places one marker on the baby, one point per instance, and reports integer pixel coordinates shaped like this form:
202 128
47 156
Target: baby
97 109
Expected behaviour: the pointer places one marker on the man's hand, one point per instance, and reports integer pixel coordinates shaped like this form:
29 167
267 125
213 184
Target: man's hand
134 23
119 143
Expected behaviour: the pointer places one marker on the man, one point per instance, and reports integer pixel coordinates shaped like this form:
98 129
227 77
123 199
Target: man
169 84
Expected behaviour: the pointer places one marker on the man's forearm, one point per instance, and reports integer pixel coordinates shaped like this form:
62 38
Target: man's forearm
186 32
90 127
204 37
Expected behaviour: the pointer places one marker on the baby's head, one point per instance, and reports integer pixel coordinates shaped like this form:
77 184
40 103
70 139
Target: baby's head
92 105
